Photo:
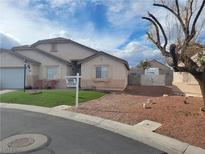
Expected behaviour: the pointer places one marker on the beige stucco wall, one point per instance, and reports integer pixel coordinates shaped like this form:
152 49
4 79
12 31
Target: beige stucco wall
68 51
117 74
32 75
46 62
184 78
9 60
184 83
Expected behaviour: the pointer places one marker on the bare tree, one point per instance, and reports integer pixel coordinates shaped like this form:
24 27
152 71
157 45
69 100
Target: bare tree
185 49
144 65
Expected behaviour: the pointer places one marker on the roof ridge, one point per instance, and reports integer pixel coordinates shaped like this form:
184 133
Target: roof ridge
61 40
104 53
159 63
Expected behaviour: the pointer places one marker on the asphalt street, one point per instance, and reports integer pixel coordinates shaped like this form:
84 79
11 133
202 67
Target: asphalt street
67 136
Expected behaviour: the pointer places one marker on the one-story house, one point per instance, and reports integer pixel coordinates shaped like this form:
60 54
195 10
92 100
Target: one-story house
53 59
157 74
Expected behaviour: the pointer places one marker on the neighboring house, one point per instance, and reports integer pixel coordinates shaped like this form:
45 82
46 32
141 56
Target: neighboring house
184 83
53 59
157 75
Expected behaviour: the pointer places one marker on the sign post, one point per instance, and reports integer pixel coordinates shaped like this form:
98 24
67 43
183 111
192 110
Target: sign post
73 81
27 68
24 79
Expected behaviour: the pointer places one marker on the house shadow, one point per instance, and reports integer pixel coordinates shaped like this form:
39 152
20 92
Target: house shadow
177 91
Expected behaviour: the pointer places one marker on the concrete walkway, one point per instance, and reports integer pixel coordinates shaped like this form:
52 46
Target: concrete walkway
5 91
150 138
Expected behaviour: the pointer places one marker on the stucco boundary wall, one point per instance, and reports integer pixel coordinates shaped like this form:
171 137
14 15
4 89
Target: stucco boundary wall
161 142
186 89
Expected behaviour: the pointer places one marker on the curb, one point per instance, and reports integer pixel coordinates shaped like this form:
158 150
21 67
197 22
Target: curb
161 142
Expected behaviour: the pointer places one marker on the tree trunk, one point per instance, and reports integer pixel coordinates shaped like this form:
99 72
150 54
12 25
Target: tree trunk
201 80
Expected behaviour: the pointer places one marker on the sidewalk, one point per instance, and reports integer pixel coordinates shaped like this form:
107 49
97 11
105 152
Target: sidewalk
5 91
150 138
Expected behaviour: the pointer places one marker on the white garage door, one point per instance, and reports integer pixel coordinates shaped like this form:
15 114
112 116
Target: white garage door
11 78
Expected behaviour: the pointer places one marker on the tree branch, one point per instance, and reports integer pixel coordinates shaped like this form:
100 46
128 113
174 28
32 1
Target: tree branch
193 29
177 5
176 14
156 43
186 69
156 28
153 40
189 62
190 15
164 52
161 28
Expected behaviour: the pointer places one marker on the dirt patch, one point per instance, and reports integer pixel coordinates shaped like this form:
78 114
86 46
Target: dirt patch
152 91
179 120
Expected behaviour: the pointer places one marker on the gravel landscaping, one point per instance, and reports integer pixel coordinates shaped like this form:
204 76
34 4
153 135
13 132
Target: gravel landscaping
183 121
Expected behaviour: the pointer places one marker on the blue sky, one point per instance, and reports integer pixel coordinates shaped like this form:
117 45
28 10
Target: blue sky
113 26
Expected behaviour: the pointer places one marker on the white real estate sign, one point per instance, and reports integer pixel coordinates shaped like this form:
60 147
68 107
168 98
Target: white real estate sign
73 81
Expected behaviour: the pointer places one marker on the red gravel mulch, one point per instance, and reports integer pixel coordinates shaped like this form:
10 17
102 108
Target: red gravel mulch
179 120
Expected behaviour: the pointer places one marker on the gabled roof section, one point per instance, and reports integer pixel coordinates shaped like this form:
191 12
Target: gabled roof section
62 40
105 54
24 47
40 51
157 64
20 56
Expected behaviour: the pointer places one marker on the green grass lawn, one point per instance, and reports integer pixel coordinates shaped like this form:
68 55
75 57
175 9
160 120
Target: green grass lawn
49 98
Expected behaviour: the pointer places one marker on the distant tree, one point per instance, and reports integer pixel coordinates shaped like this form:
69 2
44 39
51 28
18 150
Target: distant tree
180 54
144 65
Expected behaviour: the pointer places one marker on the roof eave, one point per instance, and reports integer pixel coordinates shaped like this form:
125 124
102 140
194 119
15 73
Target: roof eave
36 49
63 40
106 54
21 56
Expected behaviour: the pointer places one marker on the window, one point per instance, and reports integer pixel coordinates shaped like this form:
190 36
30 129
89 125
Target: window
102 72
52 73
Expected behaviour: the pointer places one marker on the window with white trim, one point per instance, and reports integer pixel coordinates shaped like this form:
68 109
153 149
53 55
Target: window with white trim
101 72
52 73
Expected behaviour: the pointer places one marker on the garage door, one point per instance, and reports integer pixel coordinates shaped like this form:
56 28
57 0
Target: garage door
11 78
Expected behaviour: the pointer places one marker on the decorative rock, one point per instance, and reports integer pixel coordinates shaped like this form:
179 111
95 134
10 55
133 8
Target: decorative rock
147 104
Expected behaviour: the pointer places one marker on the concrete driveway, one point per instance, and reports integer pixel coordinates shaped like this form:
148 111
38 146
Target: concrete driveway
67 136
